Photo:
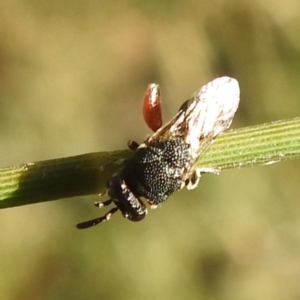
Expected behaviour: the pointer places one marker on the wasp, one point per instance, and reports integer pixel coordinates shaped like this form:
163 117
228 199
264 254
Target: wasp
166 161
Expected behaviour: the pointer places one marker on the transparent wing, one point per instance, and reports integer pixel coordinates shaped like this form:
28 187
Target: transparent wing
207 113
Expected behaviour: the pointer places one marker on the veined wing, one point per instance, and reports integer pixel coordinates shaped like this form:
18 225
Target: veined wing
207 113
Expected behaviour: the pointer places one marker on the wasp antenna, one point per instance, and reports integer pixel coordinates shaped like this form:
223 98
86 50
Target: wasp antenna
97 221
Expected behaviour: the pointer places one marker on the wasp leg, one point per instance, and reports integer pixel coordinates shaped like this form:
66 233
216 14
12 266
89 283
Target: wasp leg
103 203
215 171
193 181
132 145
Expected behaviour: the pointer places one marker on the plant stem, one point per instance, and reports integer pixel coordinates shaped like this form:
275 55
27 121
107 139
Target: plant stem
255 145
88 174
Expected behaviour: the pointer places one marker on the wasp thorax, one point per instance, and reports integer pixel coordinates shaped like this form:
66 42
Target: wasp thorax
156 171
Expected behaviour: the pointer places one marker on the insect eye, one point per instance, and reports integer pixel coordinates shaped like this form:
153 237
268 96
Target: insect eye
152 107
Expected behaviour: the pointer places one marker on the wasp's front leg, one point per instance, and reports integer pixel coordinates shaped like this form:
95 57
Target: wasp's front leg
132 145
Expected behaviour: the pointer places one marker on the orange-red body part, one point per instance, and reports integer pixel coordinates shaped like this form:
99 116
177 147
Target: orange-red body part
152 107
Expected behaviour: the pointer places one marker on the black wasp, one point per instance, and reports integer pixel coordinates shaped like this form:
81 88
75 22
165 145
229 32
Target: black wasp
165 162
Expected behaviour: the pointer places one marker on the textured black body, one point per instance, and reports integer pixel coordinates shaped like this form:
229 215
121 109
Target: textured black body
156 171
165 162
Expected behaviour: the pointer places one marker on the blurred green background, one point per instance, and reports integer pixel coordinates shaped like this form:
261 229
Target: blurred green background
72 78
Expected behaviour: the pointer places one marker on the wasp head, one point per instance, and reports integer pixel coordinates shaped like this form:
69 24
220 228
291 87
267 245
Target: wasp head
125 200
